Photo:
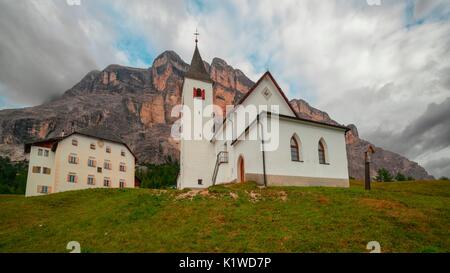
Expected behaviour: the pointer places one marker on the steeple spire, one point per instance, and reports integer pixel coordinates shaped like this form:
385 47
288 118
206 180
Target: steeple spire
197 70
196 36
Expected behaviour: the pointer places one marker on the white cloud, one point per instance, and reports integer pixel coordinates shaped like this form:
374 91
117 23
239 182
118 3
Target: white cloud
374 66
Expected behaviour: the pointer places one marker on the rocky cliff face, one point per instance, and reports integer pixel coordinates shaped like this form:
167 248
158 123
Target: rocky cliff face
136 104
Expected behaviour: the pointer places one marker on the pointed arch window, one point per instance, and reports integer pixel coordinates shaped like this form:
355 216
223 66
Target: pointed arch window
322 152
295 150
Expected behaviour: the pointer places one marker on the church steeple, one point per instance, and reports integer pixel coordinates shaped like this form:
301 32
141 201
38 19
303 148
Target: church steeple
197 70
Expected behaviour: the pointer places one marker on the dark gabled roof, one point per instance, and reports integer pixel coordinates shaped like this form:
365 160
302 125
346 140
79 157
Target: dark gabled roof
102 133
268 74
197 71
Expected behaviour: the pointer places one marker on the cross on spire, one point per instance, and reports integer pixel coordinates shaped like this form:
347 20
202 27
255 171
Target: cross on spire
196 36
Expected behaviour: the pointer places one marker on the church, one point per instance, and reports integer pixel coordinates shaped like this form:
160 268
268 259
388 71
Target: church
261 138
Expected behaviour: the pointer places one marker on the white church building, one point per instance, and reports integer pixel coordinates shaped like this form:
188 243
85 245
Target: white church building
275 147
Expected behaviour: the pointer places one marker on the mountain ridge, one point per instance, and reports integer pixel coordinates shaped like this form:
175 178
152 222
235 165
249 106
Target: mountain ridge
136 104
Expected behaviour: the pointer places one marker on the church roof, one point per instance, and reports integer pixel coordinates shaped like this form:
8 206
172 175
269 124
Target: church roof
197 71
278 88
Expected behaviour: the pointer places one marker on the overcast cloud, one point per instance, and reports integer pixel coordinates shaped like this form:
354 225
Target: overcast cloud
385 68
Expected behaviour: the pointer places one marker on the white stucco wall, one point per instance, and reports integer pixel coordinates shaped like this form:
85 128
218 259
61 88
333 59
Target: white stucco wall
258 99
198 157
279 162
39 179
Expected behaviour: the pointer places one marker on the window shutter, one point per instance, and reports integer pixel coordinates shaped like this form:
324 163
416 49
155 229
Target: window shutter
68 178
76 179
49 189
77 160
193 93
203 94
68 158
125 168
39 189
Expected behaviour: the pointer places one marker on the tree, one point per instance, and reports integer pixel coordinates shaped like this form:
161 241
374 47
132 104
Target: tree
400 177
383 175
444 178
13 176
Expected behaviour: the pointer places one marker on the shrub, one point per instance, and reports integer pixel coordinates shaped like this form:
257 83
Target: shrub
159 176
400 177
383 175
444 178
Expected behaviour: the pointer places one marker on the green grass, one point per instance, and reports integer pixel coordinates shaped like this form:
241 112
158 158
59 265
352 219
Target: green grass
403 217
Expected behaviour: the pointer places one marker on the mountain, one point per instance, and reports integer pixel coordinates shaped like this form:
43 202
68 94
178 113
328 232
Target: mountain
136 104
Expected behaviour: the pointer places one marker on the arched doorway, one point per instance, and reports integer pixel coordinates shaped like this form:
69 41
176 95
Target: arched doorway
241 169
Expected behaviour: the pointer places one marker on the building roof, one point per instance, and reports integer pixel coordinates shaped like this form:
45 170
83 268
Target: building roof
298 119
197 71
267 74
102 133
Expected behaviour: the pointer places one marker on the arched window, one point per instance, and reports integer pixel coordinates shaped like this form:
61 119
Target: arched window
322 152
295 152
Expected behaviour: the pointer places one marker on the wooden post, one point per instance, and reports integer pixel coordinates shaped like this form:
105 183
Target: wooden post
367 158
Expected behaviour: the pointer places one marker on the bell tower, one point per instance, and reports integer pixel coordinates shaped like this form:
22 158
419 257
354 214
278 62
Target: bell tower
197 154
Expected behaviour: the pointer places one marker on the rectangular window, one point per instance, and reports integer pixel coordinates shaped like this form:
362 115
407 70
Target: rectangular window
200 181
36 169
92 163
46 170
43 189
123 168
40 151
91 180
122 153
107 165
99 169
108 149
107 182
74 142
122 184
92 146
73 159
46 153
72 178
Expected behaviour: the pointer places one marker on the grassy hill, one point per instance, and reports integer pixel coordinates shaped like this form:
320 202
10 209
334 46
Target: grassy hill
403 217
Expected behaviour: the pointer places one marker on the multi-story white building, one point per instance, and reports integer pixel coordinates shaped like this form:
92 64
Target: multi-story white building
90 158
306 152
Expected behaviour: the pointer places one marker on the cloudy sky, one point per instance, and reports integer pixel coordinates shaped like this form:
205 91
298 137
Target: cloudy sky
382 65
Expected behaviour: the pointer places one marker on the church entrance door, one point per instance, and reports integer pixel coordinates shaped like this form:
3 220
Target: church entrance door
241 170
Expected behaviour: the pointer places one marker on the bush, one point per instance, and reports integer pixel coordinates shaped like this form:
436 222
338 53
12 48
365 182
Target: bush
444 178
384 175
410 178
13 176
400 177
159 176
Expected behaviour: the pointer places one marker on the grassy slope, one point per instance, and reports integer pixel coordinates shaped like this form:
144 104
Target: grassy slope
403 217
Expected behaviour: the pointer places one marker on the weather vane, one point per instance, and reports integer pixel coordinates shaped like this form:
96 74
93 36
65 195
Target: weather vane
196 36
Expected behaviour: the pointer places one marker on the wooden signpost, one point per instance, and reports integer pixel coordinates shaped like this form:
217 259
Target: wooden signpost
368 178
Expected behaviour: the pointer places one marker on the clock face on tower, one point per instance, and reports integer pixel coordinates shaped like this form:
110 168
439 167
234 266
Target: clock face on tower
199 93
